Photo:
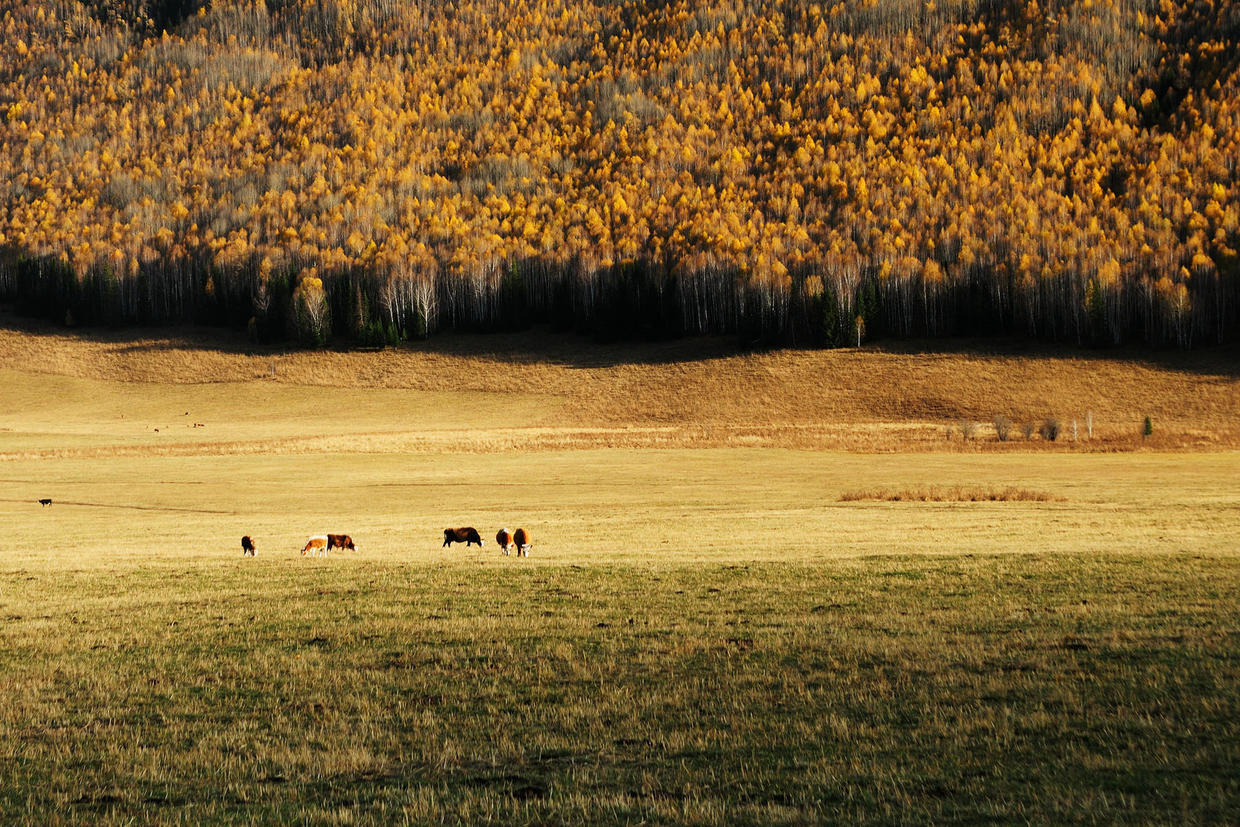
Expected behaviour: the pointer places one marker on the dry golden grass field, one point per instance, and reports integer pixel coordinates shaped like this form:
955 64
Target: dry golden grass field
765 588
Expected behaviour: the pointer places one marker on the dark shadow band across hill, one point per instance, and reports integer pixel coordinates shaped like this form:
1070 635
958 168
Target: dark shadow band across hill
542 346
1216 360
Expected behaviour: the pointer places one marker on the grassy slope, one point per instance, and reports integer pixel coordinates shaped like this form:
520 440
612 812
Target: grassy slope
543 391
704 633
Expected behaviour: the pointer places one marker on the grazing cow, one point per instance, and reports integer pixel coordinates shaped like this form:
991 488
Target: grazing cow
503 539
522 540
315 545
340 541
247 547
465 535
45 502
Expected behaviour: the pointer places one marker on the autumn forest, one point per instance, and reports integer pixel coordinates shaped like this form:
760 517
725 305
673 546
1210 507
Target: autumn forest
784 171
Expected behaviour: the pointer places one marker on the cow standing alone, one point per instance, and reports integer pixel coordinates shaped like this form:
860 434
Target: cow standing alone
466 535
247 547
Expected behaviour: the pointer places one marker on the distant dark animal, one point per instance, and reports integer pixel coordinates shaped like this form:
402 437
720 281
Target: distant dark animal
503 539
340 541
45 502
466 535
247 547
522 540
315 545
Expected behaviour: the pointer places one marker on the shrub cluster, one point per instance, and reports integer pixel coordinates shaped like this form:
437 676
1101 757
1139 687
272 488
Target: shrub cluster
1050 429
950 493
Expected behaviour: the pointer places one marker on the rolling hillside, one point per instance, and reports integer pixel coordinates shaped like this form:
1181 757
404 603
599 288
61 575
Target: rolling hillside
539 391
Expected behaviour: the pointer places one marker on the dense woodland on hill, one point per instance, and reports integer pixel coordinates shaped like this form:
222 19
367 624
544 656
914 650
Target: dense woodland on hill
777 169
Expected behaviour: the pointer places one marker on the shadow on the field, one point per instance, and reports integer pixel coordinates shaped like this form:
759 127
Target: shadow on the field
578 352
1210 360
540 345
570 350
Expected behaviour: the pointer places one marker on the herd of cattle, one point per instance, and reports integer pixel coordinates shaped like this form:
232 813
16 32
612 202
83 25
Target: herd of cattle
321 544
505 539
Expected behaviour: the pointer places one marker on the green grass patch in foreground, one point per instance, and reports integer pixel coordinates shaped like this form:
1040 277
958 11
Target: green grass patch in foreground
1043 688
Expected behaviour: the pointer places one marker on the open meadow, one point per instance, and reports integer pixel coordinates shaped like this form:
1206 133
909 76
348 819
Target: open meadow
764 588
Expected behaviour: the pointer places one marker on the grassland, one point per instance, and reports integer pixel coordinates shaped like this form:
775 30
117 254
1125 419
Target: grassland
707 632
1033 687
536 392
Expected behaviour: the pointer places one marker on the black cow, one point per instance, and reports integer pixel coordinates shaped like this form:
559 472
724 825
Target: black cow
340 541
466 535
248 548
45 502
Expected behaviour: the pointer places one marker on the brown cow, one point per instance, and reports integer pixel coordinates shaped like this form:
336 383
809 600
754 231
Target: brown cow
315 545
522 540
247 547
503 539
340 541
465 535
